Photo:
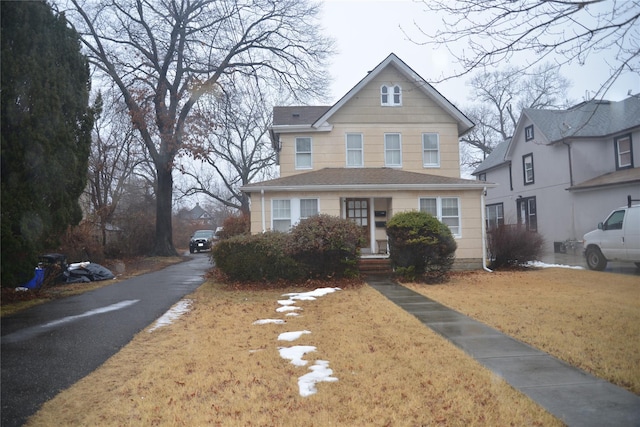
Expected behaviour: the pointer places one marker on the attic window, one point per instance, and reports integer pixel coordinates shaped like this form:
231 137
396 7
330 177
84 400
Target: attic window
528 133
390 95
296 115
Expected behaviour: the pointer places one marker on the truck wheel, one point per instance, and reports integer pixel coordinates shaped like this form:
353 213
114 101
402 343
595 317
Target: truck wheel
595 259
190 250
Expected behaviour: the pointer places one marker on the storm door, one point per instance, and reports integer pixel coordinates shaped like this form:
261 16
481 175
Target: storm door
358 212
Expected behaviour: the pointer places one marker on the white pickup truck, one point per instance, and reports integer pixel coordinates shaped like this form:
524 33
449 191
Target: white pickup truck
616 239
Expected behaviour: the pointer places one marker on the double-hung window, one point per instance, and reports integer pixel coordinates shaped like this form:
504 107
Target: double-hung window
446 209
624 152
430 150
308 208
392 150
281 212
355 157
527 169
303 153
495 215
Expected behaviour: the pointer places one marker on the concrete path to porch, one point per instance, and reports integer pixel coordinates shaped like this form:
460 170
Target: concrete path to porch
572 395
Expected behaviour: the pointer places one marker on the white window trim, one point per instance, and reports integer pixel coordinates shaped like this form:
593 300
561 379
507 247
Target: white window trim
295 154
295 210
439 211
620 153
274 218
424 160
346 145
385 150
300 207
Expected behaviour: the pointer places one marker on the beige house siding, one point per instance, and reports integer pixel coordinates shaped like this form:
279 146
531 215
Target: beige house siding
364 114
469 242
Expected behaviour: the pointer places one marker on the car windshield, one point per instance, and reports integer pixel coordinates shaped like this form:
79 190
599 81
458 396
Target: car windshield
203 234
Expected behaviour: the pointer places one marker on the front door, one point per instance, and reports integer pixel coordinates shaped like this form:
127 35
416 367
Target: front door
358 212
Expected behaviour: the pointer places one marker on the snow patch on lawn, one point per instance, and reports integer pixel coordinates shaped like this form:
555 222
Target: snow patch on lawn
173 314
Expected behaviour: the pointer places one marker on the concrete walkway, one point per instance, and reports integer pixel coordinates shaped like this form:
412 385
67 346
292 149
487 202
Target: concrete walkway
574 396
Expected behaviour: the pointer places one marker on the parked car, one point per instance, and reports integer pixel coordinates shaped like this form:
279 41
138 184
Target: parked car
201 240
616 239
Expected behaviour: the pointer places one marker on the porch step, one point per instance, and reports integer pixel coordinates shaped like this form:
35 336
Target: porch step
374 265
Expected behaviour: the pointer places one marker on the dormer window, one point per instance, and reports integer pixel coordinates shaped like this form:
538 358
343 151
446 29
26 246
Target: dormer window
390 95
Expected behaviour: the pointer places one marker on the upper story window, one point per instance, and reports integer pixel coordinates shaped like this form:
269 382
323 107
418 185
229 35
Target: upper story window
355 155
446 209
528 133
624 152
482 177
303 153
430 150
390 95
527 168
392 150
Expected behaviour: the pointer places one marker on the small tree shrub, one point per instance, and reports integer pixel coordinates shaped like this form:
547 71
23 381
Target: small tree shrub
80 243
258 257
512 245
420 247
235 226
327 246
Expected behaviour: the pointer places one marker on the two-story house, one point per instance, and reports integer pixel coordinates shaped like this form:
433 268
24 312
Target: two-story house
389 145
563 171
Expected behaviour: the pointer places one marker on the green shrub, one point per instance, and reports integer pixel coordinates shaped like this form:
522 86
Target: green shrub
258 257
327 246
512 245
420 247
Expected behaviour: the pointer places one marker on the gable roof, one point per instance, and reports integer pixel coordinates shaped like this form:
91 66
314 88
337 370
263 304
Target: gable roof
329 179
496 158
590 119
316 118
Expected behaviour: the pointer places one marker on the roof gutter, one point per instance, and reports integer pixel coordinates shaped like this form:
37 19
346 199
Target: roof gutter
363 187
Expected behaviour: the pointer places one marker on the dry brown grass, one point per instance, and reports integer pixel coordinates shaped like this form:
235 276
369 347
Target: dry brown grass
588 319
214 367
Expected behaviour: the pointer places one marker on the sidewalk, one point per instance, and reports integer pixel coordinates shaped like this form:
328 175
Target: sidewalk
572 395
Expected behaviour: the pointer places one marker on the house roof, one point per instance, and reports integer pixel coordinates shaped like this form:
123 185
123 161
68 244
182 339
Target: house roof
589 119
317 118
368 179
496 158
626 176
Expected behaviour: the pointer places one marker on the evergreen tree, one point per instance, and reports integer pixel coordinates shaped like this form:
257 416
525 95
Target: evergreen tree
46 125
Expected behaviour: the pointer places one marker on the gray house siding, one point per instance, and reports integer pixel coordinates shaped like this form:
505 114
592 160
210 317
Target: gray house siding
576 183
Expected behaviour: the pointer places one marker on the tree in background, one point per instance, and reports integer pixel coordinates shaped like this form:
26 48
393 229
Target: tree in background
500 96
494 32
116 152
167 56
46 133
233 147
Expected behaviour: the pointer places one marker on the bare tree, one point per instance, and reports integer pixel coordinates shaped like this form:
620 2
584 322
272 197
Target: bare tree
165 56
492 32
499 97
233 145
115 153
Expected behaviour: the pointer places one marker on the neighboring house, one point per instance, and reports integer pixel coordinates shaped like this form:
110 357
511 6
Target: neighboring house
564 171
196 216
389 145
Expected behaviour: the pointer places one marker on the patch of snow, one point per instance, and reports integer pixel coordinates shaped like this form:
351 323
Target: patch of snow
539 264
291 336
173 314
287 308
266 321
296 353
320 372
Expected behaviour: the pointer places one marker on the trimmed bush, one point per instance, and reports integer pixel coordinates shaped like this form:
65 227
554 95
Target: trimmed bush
513 245
327 246
258 257
235 226
420 247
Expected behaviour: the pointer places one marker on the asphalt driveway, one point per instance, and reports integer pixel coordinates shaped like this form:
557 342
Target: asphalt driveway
47 348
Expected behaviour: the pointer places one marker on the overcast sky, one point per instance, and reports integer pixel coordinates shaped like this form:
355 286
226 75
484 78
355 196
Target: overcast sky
367 31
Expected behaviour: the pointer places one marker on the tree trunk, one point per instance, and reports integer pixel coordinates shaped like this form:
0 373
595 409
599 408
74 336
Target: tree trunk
164 229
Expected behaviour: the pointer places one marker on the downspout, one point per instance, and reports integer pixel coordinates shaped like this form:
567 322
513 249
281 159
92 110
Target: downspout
484 232
264 223
568 144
